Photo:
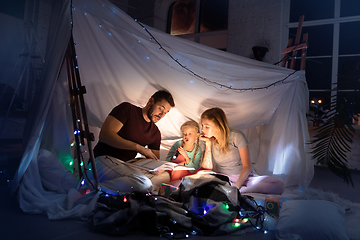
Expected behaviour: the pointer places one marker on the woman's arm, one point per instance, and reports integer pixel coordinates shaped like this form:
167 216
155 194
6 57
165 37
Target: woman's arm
207 157
246 163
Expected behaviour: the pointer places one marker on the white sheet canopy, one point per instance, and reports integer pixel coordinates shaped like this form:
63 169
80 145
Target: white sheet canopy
120 61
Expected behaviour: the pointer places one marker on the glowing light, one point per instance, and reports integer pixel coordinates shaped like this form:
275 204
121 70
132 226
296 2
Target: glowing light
99 25
82 164
125 199
71 163
83 182
85 14
87 191
110 34
319 101
265 232
72 144
312 101
226 206
237 224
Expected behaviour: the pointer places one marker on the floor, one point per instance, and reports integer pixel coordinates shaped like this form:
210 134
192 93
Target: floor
14 224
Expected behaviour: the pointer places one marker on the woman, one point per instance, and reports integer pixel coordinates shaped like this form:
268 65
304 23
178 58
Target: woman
227 152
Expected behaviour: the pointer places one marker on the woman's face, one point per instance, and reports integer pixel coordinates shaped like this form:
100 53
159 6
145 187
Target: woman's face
189 134
209 129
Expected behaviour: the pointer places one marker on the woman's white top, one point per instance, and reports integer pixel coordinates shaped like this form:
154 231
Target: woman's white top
229 163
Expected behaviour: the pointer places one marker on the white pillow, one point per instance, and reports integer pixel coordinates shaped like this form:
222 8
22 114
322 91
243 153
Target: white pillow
311 219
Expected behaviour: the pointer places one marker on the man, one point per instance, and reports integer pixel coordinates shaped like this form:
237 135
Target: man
126 131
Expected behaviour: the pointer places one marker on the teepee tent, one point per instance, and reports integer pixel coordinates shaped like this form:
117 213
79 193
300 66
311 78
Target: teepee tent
120 59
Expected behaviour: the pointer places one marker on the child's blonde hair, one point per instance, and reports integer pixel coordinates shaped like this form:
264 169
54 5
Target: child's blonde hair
192 123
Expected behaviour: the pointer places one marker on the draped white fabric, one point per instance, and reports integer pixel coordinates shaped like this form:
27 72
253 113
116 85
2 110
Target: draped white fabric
119 61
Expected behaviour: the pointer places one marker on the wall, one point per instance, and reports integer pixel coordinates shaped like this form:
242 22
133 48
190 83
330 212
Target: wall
142 10
256 23
251 23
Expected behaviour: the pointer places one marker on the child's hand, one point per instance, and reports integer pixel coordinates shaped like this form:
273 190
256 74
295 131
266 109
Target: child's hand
182 151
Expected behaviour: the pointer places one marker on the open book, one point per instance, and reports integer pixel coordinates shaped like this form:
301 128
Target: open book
155 165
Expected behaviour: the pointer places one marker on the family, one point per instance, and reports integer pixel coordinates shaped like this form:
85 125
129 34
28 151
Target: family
129 130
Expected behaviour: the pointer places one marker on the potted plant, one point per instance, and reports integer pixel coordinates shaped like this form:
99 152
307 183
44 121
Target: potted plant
334 136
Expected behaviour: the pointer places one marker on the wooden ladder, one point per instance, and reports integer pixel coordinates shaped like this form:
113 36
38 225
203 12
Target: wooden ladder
293 49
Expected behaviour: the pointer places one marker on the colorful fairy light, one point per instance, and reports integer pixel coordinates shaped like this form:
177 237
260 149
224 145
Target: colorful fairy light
226 206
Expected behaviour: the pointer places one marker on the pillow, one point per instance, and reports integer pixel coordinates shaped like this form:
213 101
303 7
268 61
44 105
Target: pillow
310 219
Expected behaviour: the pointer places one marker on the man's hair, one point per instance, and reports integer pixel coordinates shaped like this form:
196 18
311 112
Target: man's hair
162 94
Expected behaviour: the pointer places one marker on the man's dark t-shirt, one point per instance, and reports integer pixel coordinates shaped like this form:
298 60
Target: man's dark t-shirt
134 128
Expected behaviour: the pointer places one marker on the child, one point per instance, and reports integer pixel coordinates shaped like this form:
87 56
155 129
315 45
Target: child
186 151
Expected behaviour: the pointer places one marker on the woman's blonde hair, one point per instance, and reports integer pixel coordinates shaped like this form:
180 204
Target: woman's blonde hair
192 123
217 116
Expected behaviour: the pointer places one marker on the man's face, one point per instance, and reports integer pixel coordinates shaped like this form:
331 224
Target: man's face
158 110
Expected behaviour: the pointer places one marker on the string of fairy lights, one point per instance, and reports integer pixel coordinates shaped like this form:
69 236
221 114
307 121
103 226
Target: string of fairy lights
204 79
207 81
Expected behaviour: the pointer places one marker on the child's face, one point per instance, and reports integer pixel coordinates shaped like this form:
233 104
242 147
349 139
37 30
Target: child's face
189 134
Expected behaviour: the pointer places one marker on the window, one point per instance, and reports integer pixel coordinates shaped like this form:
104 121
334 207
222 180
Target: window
333 53
202 21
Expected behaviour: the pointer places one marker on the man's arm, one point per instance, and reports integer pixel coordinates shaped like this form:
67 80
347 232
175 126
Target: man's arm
157 153
108 135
